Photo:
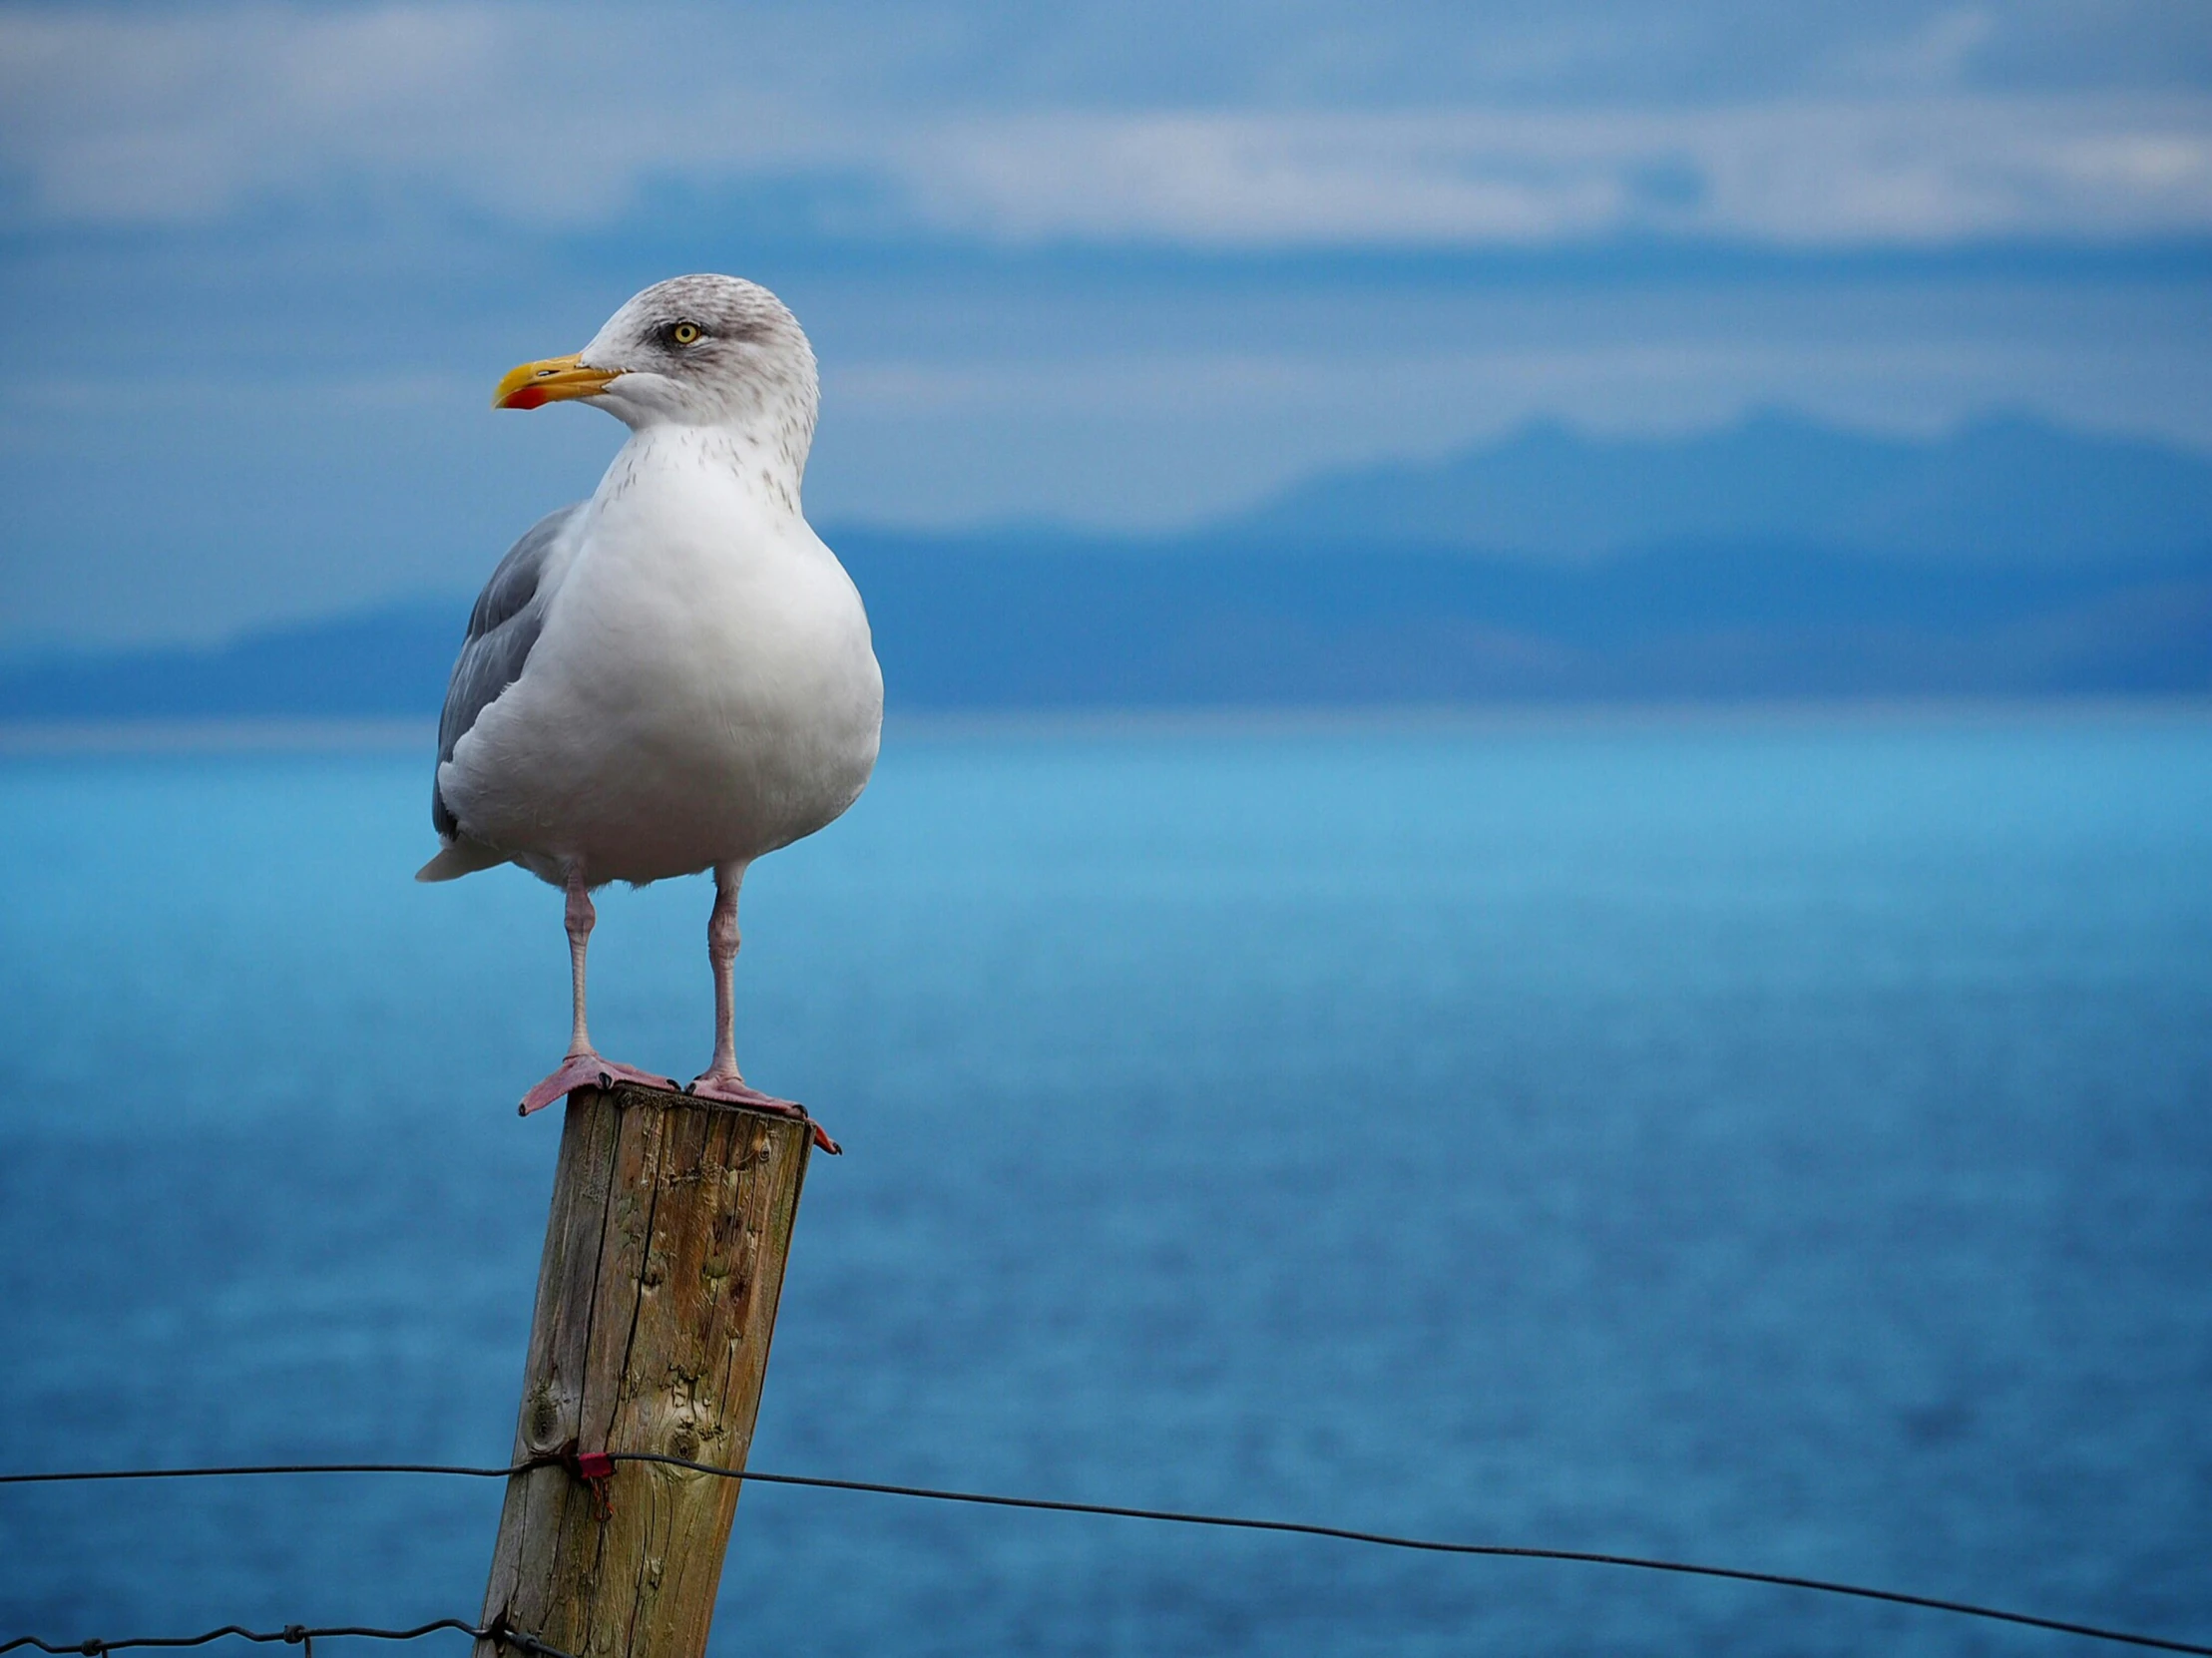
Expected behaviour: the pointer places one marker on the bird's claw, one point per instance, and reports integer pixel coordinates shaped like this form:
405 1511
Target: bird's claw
735 1090
587 1070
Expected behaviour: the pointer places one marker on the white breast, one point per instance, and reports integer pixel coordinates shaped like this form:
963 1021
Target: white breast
705 689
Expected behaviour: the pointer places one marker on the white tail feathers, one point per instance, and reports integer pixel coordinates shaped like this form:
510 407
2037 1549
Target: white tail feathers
458 858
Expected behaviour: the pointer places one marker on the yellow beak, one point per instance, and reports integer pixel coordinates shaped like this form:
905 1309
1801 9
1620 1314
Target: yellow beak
548 381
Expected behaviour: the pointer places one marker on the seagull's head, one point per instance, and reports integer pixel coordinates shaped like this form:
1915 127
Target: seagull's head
690 351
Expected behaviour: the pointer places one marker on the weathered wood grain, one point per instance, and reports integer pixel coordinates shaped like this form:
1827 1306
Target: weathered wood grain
657 1299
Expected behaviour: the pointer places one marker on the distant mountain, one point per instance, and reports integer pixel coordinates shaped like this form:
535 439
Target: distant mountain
388 662
1774 559
1040 626
2010 490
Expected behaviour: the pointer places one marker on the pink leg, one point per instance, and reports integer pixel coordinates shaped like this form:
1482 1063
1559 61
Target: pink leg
722 1078
582 1068
580 917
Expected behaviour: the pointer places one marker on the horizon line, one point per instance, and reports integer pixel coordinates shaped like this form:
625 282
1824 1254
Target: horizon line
134 735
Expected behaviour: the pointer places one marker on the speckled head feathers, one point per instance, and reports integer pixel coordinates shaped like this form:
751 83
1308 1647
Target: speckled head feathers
709 350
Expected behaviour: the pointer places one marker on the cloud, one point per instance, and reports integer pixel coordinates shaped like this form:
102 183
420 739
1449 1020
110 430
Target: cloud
127 118
1834 173
568 119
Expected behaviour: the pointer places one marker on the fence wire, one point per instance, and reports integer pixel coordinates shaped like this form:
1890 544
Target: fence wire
292 1634
597 1467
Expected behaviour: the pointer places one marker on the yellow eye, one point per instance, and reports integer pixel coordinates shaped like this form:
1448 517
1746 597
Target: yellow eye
684 333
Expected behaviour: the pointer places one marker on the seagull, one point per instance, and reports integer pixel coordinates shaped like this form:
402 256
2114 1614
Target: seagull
674 676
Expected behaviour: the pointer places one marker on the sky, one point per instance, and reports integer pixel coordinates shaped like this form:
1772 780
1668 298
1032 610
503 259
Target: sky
1122 267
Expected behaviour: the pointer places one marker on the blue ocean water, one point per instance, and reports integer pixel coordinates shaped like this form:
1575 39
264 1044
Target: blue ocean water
1781 1144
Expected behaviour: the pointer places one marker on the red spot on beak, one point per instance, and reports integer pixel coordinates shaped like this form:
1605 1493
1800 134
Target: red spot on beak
524 397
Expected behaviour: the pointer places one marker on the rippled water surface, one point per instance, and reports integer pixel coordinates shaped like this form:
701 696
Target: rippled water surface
1778 1144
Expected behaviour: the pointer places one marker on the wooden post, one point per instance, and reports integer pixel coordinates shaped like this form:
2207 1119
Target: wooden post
656 1297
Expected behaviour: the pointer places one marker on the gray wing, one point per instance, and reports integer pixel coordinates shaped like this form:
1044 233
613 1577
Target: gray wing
509 614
